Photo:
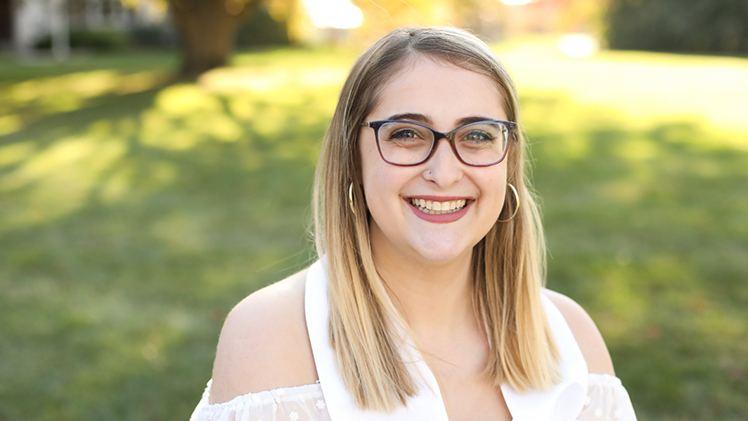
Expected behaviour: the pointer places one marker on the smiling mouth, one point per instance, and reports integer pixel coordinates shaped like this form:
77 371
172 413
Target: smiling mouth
438 208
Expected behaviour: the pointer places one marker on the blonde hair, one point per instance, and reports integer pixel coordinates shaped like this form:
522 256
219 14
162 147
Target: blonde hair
508 263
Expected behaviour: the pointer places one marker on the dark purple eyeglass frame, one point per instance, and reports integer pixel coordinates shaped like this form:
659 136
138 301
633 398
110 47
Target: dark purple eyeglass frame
510 126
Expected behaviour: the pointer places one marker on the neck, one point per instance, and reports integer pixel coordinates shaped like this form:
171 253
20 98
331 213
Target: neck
436 298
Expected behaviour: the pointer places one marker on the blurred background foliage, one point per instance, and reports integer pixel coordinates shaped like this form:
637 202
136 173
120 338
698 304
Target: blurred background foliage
135 212
208 31
704 26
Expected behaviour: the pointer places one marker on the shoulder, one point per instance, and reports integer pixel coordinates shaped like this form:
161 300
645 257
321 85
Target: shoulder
264 343
585 332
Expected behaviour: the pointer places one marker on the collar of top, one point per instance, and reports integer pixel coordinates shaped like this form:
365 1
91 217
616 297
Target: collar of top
563 402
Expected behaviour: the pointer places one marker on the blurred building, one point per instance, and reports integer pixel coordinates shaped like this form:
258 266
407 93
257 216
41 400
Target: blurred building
25 23
498 19
533 16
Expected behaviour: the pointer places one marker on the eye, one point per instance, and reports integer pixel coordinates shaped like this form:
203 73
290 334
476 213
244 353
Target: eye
478 136
404 133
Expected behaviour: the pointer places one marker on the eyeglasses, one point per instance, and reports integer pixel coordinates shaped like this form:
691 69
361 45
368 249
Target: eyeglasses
407 143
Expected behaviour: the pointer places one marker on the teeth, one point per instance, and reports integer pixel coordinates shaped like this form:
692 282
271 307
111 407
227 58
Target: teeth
438 208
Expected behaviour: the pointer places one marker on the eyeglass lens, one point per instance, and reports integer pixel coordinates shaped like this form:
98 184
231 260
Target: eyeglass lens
407 143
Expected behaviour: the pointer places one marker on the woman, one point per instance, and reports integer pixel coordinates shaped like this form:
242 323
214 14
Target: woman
427 303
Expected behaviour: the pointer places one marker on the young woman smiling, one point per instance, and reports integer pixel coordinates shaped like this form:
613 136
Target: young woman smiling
428 301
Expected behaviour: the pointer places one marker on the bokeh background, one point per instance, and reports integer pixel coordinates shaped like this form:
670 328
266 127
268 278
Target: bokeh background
156 161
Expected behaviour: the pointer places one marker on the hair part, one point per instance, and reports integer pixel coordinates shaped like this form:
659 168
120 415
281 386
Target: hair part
508 263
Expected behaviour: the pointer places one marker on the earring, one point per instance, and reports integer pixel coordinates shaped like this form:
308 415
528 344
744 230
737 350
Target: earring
516 197
350 198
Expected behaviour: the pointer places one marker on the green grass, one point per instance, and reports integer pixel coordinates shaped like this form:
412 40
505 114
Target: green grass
133 216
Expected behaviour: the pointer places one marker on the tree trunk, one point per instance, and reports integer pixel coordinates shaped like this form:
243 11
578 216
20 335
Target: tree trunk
208 30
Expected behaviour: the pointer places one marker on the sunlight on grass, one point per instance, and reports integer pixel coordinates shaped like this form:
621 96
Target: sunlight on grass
9 124
185 116
184 100
16 152
50 92
637 149
645 88
58 179
36 98
241 107
228 105
272 82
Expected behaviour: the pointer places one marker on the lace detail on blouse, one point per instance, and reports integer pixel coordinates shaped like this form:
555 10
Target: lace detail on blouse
300 403
607 400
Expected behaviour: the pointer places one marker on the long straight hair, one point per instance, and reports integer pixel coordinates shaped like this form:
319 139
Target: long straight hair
508 264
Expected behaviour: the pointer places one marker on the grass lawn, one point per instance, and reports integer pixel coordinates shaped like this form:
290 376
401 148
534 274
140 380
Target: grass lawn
133 216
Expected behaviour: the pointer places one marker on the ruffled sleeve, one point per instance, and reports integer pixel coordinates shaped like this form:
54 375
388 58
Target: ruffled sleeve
607 400
300 403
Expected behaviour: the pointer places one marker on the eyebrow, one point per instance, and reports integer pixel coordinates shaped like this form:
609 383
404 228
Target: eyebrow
421 118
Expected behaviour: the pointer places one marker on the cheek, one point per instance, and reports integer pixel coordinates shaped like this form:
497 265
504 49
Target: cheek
495 189
369 170
367 149
381 185
374 176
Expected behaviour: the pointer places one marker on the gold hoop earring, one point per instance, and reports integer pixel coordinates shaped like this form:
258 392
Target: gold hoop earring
350 198
516 209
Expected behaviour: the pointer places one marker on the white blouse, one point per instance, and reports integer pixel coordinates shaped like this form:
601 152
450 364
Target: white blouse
606 400
579 396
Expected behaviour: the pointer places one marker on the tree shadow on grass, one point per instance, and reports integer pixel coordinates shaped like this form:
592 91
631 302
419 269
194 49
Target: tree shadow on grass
646 229
129 229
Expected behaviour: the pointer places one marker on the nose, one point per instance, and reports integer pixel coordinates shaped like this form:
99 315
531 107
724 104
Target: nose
443 168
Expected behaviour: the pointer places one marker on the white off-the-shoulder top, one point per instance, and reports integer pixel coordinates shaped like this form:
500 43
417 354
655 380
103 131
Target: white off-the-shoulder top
580 396
607 400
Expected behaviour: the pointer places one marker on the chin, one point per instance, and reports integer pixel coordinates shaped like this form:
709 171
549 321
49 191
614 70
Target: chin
443 255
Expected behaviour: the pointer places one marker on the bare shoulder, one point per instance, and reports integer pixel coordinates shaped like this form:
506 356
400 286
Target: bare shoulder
585 332
264 343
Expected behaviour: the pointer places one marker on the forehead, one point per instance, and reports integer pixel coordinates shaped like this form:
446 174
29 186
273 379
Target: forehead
441 91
